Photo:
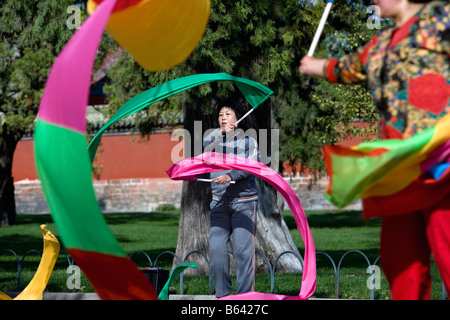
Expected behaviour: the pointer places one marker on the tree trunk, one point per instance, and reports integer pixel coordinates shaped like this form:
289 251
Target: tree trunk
8 145
272 235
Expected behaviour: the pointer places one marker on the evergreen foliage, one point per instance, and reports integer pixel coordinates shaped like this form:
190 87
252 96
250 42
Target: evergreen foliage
259 40
32 34
264 41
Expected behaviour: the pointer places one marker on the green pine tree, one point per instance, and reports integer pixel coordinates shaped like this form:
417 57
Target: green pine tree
32 34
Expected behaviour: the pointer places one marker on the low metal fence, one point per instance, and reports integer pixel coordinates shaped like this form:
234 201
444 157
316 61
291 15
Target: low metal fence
271 268
21 261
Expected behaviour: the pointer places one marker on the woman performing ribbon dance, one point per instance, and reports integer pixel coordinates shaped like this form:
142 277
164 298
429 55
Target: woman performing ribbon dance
233 206
405 177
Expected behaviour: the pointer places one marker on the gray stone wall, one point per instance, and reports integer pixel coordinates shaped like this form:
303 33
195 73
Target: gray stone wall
145 195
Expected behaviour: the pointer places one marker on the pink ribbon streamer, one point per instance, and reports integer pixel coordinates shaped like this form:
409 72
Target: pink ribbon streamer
440 154
187 169
66 92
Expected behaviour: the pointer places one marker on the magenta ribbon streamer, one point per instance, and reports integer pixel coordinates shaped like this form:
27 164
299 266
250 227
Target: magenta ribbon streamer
66 92
187 169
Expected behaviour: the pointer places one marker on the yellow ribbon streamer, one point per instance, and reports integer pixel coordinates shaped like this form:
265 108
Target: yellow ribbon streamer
34 290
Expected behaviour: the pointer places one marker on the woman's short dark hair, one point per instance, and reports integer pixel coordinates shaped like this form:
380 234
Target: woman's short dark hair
239 108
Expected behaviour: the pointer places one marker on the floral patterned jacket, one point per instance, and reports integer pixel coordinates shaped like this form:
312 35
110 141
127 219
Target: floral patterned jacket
407 71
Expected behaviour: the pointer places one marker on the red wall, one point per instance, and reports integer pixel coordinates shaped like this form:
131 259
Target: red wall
120 156
124 157
23 161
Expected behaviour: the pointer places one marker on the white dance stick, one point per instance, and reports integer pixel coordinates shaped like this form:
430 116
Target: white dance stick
210 180
243 117
320 27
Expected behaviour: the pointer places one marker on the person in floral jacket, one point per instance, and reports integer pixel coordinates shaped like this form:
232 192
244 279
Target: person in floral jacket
406 68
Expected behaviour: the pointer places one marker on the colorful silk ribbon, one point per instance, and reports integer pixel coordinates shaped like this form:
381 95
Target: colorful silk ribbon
254 92
64 165
187 169
34 290
390 169
164 294
159 34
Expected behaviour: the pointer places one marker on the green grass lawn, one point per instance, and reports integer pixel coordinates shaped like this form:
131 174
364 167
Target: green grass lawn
334 232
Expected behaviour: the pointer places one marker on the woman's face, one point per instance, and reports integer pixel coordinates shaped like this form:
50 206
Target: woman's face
389 8
226 116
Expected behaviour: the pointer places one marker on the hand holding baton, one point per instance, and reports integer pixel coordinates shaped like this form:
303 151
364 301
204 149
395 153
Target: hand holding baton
210 180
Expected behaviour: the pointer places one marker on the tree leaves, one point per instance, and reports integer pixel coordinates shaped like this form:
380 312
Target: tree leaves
33 33
264 41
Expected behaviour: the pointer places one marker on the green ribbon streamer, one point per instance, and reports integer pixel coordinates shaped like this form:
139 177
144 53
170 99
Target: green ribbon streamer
65 174
164 294
352 175
254 92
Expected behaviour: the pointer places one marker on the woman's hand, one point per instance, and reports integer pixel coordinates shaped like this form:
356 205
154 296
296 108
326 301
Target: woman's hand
228 127
223 179
310 66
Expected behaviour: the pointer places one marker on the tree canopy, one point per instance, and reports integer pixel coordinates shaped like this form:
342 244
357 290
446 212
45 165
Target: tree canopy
32 34
264 41
259 40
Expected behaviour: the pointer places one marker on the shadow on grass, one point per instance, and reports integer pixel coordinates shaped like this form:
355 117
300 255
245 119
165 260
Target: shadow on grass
111 218
162 260
20 243
169 217
24 219
19 239
333 219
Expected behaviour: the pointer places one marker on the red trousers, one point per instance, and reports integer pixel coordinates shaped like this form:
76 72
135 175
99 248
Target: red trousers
407 243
